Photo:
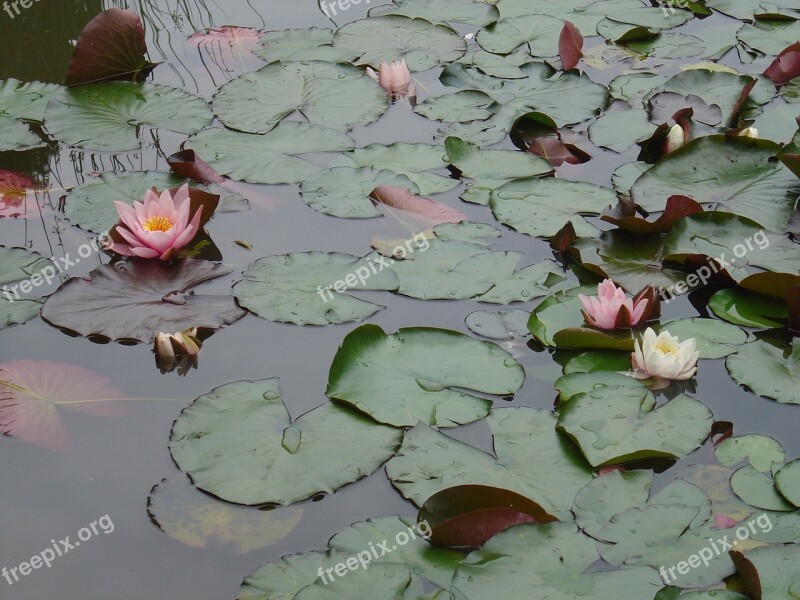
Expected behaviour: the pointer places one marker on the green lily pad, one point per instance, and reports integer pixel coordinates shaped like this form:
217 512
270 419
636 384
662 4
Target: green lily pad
466 231
239 443
539 32
610 494
615 425
584 14
759 450
551 559
492 168
463 106
344 191
758 489
268 158
526 284
416 370
715 339
733 174
321 92
572 384
415 161
787 480
620 130
310 43
18 265
504 324
291 288
531 459
625 175
598 360
770 572
668 45
502 66
468 12
541 207
90 205
385 580
741 307
740 246
767 371
453 270
770 36
433 563
633 87
15 135
108 116
422 44
26 101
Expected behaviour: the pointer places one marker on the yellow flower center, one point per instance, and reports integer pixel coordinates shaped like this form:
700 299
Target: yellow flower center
665 347
157 224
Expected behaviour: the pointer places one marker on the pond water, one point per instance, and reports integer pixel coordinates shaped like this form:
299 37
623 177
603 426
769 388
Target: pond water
114 463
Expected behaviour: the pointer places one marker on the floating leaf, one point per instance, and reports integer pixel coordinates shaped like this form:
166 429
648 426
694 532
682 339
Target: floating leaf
310 43
466 516
138 299
32 393
423 211
239 443
741 307
294 288
111 46
787 480
539 32
269 158
109 116
256 102
759 450
715 339
758 489
786 66
767 371
422 44
416 370
26 101
540 207
199 521
770 572
551 559
504 324
468 12
15 135
532 459
617 425
624 215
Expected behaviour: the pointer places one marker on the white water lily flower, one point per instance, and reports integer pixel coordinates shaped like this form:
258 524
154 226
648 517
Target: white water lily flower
664 357
750 132
675 139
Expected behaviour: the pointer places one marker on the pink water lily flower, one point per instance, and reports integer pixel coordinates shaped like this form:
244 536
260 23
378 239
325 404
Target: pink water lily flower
395 78
612 308
157 227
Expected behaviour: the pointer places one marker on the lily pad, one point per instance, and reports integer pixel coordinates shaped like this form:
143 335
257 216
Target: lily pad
715 339
584 14
532 459
453 270
268 158
787 480
540 207
199 521
463 106
620 130
610 494
18 265
526 284
239 443
310 43
345 191
539 32
741 307
468 12
770 572
422 44
551 559
109 116
759 450
90 205
416 371
617 425
504 324
292 288
415 161
767 370
139 299
758 489
732 174
15 135
321 92
26 101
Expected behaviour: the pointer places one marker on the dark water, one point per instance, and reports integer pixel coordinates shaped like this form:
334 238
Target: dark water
115 462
